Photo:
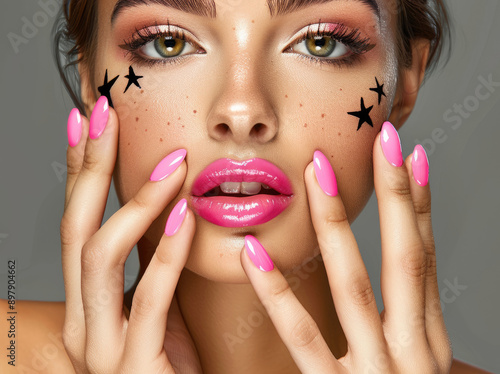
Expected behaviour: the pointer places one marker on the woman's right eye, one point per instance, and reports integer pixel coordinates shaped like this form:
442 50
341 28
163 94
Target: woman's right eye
164 47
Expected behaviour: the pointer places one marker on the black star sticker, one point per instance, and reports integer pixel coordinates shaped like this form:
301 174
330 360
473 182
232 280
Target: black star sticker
363 114
105 89
379 90
132 78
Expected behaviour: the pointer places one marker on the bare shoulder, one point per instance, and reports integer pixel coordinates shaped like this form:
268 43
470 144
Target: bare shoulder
459 367
33 337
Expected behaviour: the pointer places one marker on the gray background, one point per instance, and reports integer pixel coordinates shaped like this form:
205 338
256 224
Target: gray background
464 174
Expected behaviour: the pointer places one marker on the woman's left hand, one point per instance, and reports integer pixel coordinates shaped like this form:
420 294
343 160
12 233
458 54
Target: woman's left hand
409 336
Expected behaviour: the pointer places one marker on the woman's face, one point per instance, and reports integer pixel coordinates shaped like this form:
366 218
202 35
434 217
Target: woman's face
246 85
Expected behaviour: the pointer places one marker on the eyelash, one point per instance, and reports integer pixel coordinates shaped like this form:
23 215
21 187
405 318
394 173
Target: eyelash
340 33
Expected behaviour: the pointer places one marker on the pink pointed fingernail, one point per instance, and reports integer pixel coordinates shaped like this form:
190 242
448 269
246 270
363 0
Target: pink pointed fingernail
391 144
99 117
74 127
176 218
168 165
420 165
258 254
324 174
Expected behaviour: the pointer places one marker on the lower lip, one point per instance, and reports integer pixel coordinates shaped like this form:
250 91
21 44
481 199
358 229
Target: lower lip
230 211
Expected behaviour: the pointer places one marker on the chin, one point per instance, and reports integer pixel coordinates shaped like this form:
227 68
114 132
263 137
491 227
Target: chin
289 239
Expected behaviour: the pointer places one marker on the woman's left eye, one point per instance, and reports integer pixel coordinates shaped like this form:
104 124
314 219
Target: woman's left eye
322 46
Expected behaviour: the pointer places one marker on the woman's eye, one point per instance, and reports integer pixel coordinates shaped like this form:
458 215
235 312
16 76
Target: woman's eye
164 47
322 46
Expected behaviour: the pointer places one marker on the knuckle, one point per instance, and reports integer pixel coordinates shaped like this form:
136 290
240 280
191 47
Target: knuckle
401 193
90 162
423 209
139 203
414 264
361 291
280 291
93 258
142 304
305 334
336 218
431 266
67 231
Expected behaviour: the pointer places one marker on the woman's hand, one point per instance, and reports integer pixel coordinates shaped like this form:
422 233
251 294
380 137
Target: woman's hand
97 335
409 336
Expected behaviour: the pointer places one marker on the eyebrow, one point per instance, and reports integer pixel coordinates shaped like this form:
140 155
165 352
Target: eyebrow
207 8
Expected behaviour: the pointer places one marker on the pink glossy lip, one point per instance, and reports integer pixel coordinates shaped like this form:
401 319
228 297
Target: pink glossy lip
231 211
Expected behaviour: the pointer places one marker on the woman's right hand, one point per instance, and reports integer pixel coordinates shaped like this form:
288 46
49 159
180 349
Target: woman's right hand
97 335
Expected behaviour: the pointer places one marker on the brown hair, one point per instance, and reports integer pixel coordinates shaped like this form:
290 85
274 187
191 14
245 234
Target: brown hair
75 37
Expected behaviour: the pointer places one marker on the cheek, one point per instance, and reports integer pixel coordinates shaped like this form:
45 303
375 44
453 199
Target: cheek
155 120
340 117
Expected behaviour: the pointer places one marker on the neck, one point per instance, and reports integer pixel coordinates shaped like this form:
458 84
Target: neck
231 328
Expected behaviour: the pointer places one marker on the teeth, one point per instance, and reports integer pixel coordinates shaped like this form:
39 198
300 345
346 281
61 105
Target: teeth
245 188
266 186
252 188
230 187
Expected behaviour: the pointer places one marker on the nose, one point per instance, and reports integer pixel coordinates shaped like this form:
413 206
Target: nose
243 111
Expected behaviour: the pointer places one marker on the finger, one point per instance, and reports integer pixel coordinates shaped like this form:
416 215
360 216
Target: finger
403 257
418 164
78 129
85 208
349 281
293 323
155 291
104 255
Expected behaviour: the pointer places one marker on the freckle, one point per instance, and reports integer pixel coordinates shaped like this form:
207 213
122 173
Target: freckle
179 118
340 134
142 91
300 104
146 110
322 128
286 96
323 115
341 168
234 28
187 97
135 102
129 143
194 111
145 130
305 124
253 21
341 89
168 123
136 119
182 125
161 139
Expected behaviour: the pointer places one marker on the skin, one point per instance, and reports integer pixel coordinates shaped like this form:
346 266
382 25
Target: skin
310 243
302 107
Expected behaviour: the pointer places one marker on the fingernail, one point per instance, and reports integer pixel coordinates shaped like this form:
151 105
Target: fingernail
74 127
258 254
391 144
420 165
324 174
99 118
176 218
168 165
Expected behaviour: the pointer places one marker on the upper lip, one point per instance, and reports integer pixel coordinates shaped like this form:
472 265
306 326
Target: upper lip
252 170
